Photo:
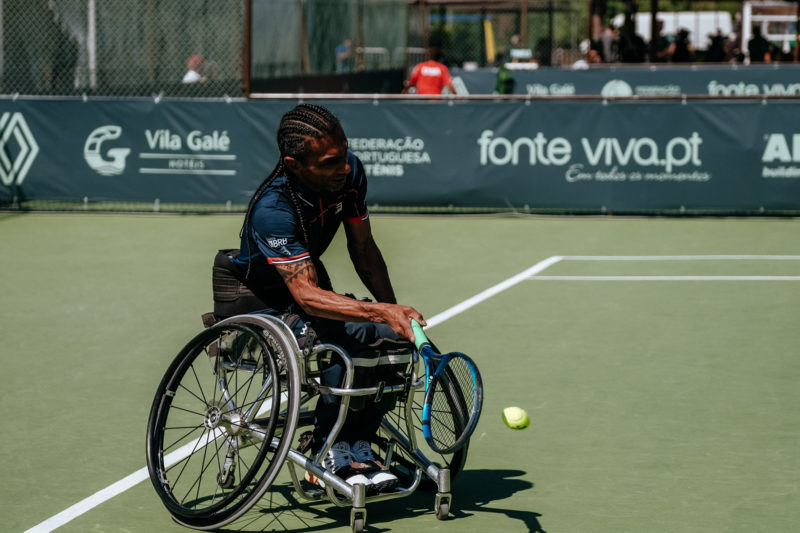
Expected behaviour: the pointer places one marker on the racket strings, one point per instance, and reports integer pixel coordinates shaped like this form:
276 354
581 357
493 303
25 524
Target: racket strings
451 403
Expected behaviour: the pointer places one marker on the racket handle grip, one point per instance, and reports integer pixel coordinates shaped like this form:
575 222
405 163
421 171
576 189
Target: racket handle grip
419 336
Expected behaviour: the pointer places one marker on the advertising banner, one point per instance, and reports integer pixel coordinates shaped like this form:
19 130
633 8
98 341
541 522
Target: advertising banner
651 80
176 151
724 156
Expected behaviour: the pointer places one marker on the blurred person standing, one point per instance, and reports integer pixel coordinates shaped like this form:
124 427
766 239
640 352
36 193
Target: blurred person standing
344 56
609 44
681 51
431 76
659 45
504 83
716 50
758 46
193 65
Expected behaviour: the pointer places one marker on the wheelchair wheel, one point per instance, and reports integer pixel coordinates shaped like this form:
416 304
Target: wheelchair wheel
222 422
403 464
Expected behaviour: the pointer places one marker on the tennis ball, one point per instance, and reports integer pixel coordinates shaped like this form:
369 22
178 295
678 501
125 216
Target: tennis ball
516 418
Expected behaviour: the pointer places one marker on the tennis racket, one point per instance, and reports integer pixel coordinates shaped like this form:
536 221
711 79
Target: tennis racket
453 395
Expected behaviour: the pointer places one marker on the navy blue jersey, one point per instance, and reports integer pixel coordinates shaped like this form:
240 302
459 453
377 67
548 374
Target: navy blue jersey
276 236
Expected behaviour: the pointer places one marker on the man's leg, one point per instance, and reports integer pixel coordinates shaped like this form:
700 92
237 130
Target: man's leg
354 337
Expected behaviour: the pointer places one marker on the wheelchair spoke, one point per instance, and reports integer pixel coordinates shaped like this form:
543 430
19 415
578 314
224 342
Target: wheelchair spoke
199 387
189 411
207 457
179 439
187 459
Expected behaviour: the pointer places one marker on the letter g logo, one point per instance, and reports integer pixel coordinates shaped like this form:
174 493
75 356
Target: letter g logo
91 151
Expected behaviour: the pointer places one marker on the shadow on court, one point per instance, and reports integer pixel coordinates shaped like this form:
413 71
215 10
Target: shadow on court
474 492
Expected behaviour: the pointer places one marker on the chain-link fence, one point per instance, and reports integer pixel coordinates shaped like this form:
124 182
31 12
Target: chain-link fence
318 37
197 48
122 47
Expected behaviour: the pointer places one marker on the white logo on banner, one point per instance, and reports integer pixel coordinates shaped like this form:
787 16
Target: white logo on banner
113 163
784 151
14 167
616 88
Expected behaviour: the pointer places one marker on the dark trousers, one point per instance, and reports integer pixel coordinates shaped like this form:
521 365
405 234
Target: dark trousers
357 338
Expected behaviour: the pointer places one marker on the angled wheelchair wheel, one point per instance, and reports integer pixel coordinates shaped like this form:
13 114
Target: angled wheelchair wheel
222 422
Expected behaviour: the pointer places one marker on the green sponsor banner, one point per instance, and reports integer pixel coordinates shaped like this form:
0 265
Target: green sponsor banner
621 156
724 156
650 80
174 151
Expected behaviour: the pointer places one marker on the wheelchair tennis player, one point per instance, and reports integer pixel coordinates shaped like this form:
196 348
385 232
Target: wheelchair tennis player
292 218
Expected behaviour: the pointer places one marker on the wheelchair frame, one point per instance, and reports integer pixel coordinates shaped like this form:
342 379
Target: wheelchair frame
286 379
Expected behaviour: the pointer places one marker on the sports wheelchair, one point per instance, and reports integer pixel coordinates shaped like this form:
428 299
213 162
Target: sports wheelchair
225 415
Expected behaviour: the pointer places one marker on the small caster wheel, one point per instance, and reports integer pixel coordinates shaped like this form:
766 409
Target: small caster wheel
442 506
226 481
443 511
358 520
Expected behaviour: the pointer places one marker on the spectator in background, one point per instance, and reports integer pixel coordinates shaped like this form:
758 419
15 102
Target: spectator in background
758 47
632 48
504 84
659 45
609 44
589 56
681 51
344 56
519 53
431 76
716 50
193 65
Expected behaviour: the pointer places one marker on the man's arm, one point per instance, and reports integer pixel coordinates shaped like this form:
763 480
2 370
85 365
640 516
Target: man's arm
368 261
302 281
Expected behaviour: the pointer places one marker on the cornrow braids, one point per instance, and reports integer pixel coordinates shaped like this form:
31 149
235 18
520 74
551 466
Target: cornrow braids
297 127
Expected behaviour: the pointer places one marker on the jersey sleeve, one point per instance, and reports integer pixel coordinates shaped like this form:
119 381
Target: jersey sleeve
275 231
355 206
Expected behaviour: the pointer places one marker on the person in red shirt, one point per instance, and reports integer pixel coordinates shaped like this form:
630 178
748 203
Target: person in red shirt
431 76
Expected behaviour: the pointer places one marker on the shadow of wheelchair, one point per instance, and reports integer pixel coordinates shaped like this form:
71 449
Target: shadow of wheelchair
281 510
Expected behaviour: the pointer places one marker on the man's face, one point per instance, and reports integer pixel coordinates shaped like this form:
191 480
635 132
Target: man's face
325 168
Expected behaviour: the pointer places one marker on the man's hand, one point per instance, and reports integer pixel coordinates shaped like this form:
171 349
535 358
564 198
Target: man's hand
301 279
399 319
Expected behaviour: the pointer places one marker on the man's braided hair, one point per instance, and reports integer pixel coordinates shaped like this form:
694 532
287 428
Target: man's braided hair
297 128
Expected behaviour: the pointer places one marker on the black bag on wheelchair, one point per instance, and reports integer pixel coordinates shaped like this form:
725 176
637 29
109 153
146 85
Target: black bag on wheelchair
231 296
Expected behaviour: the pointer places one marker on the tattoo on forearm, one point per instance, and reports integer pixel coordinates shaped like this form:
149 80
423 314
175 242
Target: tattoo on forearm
293 271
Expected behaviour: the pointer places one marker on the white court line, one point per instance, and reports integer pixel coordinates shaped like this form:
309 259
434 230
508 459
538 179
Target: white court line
491 291
126 483
665 278
679 257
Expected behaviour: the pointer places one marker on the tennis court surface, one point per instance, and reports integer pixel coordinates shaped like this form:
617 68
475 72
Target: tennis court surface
657 358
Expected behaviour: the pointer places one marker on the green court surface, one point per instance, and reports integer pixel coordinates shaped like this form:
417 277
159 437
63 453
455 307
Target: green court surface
663 390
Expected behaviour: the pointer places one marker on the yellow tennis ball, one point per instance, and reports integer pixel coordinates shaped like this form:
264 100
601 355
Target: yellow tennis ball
516 418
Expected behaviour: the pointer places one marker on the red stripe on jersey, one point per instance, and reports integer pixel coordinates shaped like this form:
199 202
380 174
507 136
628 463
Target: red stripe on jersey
283 260
356 220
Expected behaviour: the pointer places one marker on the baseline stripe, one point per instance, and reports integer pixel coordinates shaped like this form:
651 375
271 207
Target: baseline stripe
665 278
